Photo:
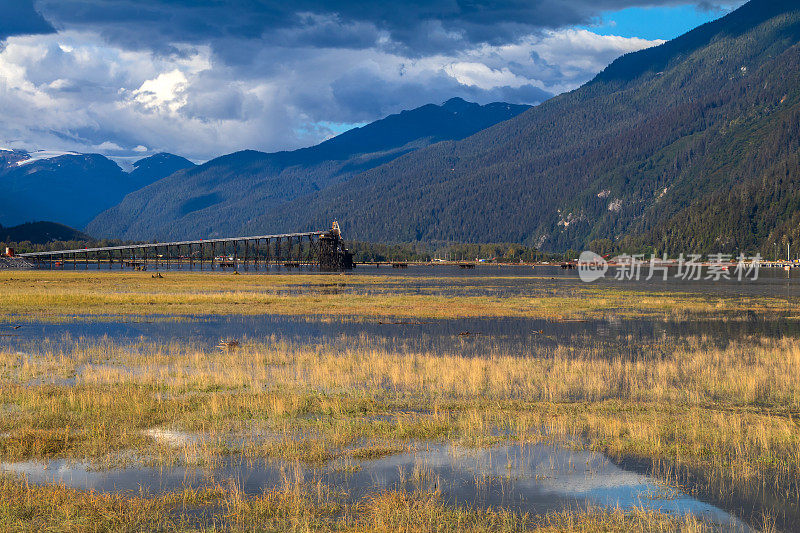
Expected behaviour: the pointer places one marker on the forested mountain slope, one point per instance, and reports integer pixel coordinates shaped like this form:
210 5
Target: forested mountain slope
41 233
151 169
691 145
236 191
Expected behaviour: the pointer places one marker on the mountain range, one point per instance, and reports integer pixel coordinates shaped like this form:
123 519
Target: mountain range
245 189
71 188
692 145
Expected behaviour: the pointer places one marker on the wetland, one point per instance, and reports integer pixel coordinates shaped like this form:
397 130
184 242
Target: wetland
500 399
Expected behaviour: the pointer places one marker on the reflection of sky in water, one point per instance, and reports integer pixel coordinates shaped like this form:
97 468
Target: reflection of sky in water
469 336
517 336
536 478
531 478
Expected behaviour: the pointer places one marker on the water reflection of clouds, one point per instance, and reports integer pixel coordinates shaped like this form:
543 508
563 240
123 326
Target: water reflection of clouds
536 478
516 336
539 472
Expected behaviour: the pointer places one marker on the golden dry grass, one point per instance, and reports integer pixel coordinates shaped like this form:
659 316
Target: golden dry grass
728 417
728 414
298 508
36 294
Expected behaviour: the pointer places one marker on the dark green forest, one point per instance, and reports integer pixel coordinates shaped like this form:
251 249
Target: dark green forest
35 233
430 251
692 145
228 195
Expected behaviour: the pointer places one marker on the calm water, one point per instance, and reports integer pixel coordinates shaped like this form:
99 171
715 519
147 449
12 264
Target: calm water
534 478
522 337
528 478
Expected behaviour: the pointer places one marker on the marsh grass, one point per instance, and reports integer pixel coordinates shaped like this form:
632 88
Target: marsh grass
295 506
721 421
61 295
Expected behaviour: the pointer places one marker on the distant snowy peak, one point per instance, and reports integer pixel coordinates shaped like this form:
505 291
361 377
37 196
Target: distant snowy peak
159 165
10 157
40 155
68 187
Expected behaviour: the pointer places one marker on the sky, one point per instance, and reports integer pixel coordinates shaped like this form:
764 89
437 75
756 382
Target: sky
131 78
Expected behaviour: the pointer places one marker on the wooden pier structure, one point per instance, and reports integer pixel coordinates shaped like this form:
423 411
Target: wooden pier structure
314 249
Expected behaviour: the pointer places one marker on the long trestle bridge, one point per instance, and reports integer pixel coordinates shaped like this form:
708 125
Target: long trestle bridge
316 249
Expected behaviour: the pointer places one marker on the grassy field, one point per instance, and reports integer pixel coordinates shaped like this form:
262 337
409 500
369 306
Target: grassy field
723 423
38 294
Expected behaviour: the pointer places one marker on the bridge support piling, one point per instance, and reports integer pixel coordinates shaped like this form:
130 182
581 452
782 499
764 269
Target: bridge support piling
333 256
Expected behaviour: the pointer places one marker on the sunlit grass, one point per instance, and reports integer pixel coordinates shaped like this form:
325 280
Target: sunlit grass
720 421
728 414
296 506
63 294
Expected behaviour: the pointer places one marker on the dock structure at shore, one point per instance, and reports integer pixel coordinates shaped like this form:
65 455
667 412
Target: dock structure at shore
324 250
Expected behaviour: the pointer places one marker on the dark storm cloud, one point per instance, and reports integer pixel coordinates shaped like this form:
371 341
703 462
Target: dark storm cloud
206 77
415 27
18 17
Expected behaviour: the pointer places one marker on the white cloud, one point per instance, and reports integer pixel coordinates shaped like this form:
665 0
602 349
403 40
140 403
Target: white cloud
482 76
74 90
167 91
582 50
109 146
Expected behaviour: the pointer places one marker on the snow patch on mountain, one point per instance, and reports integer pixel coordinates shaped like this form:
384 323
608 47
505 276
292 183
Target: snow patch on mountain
39 155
